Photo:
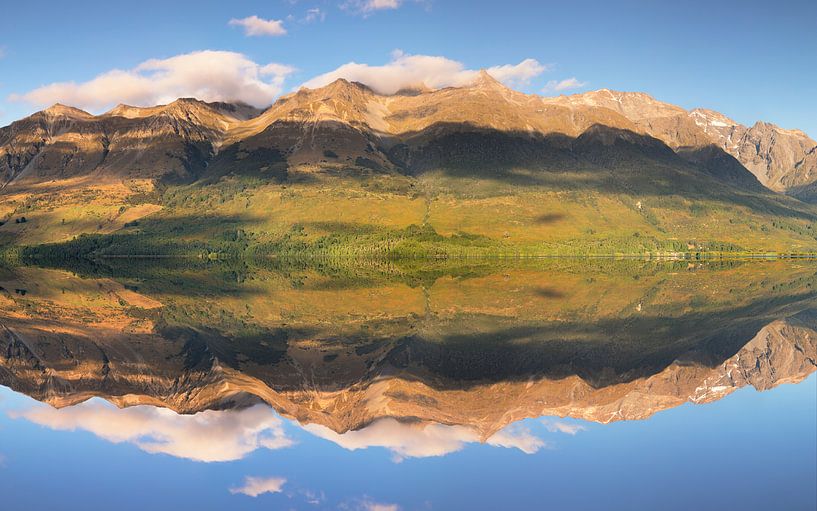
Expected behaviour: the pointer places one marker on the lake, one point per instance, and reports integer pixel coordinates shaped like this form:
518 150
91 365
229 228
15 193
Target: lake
408 385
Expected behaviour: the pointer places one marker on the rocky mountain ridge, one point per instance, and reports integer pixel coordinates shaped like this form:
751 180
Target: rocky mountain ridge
348 125
63 142
776 156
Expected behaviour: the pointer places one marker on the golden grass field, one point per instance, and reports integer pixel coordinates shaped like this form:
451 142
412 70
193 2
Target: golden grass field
533 220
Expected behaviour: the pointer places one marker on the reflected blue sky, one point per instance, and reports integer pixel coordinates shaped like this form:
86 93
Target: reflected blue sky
749 450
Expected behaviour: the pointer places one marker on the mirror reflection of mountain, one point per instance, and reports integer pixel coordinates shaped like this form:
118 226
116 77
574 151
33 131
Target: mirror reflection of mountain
345 349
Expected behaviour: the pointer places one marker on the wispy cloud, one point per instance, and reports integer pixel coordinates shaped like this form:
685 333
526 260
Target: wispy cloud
406 70
370 6
213 435
563 85
314 498
206 75
314 14
517 437
255 26
255 486
518 75
556 426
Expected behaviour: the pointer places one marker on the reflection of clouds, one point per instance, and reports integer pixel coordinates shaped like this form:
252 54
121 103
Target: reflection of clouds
213 435
366 503
370 505
312 497
569 428
518 437
417 440
255 486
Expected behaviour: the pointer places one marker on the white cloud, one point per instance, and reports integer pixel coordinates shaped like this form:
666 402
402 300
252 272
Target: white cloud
206 75
417 440
518 438
568 428
213 435
432 71
376 5
255 486
255 26
517 75
314 14
2 52
369 6
563 85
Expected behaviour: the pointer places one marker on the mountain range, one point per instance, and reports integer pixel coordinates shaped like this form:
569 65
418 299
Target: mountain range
348 123
651 168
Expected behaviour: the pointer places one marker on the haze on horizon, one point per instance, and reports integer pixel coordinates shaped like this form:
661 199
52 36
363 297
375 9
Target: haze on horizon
738 58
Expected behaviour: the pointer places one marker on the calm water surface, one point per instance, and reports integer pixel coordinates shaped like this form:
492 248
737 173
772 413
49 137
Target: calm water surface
549 385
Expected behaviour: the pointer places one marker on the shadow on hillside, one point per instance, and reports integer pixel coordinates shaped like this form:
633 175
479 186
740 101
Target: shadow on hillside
548 218
602 159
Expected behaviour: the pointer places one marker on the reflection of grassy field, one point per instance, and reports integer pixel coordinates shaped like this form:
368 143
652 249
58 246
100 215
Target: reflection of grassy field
606 321
425 216
44 298
545 291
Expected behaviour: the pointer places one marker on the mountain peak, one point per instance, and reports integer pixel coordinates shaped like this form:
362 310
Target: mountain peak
58 109
768 126
188 101
485 80
342 84
128 111
336 86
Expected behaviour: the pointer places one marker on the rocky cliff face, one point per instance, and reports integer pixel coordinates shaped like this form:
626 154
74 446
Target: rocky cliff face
778 157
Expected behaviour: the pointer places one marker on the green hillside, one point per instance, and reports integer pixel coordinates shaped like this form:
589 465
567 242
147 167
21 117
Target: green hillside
364 213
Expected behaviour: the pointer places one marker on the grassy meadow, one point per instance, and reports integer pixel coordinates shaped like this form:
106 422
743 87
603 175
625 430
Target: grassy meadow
369 214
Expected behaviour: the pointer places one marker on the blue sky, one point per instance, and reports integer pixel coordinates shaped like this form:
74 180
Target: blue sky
750 60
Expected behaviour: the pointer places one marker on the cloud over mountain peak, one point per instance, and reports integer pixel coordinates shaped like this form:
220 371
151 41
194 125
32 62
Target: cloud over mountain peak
207 75
404 70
